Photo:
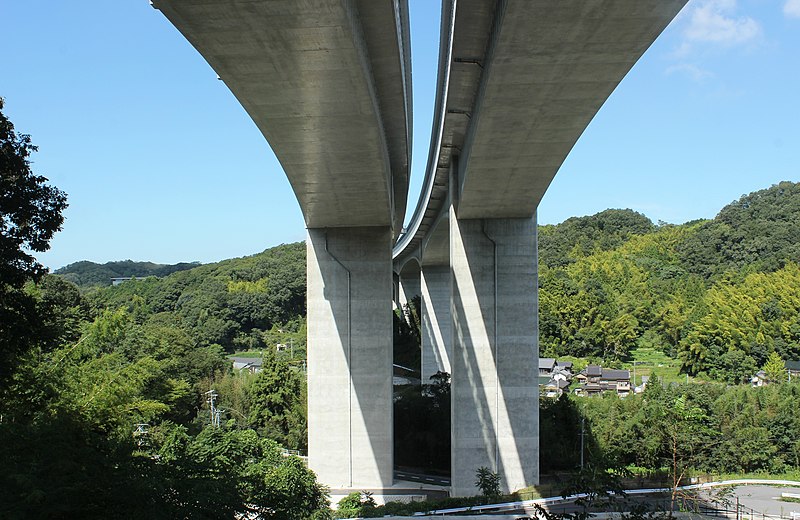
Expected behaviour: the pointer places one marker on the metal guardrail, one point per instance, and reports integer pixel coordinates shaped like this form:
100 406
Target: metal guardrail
739 513
294 453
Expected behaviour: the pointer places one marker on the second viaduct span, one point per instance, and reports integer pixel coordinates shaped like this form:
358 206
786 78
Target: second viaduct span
328 83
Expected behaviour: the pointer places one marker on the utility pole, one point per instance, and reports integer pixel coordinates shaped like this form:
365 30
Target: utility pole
583 420
215 413
140 434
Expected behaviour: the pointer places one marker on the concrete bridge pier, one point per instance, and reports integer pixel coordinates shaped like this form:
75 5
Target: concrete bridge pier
350 357
495 414
408 284
435 320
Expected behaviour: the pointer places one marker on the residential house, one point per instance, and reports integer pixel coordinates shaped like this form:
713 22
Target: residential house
793 367
546 365
595 380
555 388
554 377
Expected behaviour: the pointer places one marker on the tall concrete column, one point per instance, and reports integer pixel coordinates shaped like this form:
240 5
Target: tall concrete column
495 415
436 322
350 357
409 284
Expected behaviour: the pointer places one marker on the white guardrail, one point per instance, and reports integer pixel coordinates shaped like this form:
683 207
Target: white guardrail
510 506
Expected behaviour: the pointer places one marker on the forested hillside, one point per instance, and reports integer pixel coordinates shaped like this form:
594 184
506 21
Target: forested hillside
240 304
87 274
720 294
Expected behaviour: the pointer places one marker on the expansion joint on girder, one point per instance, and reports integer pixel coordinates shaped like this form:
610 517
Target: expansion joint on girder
460 112
469 61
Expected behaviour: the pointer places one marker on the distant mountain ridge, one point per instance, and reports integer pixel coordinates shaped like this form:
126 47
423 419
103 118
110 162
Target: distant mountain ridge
87 274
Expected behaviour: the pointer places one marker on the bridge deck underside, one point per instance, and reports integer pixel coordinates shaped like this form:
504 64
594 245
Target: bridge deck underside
325 82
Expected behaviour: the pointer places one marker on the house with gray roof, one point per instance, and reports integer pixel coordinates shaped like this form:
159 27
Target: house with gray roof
595 380
546 365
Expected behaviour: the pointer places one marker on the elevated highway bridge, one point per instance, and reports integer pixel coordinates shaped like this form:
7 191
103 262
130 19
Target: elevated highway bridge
328 83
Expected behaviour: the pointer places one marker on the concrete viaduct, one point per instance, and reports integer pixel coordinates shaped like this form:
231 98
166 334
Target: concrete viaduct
328 83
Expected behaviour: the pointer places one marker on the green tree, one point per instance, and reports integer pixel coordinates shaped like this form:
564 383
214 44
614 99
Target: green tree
775 368
488 482
30 214
277 399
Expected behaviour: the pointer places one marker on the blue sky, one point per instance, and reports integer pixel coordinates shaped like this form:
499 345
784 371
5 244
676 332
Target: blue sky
161 163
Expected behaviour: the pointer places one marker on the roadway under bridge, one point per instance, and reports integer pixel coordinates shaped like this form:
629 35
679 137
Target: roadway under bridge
328 83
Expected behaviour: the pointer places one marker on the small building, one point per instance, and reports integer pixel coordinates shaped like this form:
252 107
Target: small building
793 367
546 365
554 377
555 388
639 389
759 379
252 365
595 380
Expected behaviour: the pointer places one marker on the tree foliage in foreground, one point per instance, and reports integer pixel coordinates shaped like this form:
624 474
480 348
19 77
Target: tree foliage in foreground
30 214
677 429
68 426
60 469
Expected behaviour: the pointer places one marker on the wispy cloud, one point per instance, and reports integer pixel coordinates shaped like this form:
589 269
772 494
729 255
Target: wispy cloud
710 26
716 22
693 71
792 8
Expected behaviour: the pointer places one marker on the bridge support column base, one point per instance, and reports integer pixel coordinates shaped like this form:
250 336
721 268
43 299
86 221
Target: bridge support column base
350 356
495 407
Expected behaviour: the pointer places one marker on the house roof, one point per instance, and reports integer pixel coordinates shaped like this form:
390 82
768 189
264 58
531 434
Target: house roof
555 383
546 363
565 364
255 362
615 375
792 365
593 371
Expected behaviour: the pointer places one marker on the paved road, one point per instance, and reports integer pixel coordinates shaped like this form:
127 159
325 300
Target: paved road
422 478
765 499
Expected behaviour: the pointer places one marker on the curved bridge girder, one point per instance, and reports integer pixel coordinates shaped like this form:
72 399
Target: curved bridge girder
328 84
520 81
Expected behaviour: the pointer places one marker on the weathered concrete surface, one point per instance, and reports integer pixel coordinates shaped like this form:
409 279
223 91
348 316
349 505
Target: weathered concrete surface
328 84
436 322
350 357
495 415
